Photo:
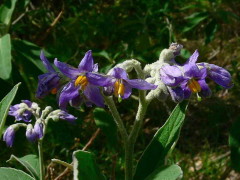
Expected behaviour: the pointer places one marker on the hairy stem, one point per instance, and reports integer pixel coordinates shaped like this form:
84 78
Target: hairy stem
40 153
129 150
111 105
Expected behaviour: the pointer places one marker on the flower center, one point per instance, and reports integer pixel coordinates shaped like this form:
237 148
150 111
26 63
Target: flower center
119 88
194 86
54 91
81 81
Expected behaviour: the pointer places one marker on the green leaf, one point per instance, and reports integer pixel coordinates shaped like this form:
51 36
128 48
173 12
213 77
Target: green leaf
171 172
234 143
5 104
106 123
29 51
210 31
155 154
13 174
5 57
85 166
30 162
6 11
194 19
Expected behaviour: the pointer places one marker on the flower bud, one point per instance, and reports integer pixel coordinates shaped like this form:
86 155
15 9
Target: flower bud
31 134
9 135
19 111
38 128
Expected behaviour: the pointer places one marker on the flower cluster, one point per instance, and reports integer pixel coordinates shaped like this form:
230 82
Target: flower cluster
24 112
83 83
180 81
190 78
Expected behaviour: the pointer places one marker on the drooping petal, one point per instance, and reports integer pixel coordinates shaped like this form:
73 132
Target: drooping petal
47 82
177 94
66 69
46 63
66 116
94 95
205 90
140 84
99 80
127 91
171 75
118 73
220 75
193 58
86 64
68 93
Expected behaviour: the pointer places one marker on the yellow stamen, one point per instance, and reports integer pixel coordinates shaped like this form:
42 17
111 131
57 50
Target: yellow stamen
116 87
81 81
119 88
194 86
54 91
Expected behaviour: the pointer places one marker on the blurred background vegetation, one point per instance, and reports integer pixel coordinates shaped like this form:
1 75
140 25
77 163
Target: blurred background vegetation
116 31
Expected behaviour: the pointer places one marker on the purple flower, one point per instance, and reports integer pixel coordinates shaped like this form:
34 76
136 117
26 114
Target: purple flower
31 134
38 128
171 75
65 116
9 135
121 86
189 77
18 114
218 74
48 82
84 83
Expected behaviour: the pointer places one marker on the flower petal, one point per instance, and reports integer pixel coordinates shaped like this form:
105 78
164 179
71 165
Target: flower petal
171 75
68 93
127 91
99 80
220 75
193 58
86 64
94 95
140 84
46 63
205 90
177 94
119 73
46 82
66 69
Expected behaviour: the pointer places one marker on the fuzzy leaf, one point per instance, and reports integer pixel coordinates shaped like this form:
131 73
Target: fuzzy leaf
13 174
85 166
171 172
30 162
5 104
156 152
5 57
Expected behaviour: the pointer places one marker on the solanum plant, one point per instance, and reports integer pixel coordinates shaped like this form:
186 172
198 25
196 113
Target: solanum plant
85 85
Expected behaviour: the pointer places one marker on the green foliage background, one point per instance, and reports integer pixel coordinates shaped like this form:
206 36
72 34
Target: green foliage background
116 31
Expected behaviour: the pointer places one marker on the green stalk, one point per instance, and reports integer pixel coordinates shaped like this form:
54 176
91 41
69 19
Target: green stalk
40 153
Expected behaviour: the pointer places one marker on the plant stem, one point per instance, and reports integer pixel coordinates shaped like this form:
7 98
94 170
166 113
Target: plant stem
129 149
109 101
40 153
